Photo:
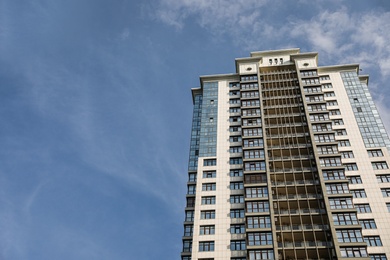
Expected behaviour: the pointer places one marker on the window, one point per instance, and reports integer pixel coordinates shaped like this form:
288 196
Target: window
388 207
319 117
347 154
311 81
378 257
250 103
208 200
235 173
316 107
253 142
340 203
316 98
375 153
191 189
234 101
208 186
325 77
207 230
330 94
255 178
236 199
237 160
312 89
234 84
188 229
234 110
187 245
368 223
259 238
207 214
327 86
235 129
237 229
322 127
363 208
189 215
308 73
355 179
210 162
190 202
209 174
373 240
386 192
258 222
324 138
236 185
253 132
360 193
254 166
249 78
237 213
351 167
383 178
340 132
331 103
235 149
337 188
250 86
250 94
379 165
261 254
237 245
349 236
192 177
337 122
353 252
206 246
234 119
257 206
256 192
254 154
333 175
186 258
234 139
251 112
341 219
234 92
330 161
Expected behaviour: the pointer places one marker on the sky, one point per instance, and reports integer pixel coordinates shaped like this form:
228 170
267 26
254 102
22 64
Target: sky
96 107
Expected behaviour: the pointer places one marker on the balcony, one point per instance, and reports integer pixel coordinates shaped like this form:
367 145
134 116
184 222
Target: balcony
295 183
297 196
305 244
302 157
302 227
281 170
299 211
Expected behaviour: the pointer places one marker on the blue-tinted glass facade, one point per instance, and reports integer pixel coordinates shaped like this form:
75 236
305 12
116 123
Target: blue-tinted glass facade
370 124
209 115
195 133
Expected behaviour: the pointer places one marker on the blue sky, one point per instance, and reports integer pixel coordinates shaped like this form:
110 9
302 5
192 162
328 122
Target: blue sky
96 108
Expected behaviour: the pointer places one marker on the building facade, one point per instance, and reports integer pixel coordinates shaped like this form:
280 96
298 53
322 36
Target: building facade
288 160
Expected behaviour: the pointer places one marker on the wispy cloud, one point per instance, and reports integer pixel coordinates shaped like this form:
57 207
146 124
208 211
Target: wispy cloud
217 15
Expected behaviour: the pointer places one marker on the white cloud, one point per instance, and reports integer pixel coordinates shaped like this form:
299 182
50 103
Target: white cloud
340 36
220 15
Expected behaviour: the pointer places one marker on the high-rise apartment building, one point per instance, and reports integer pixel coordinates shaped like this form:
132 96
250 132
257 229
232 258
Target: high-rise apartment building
288 160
